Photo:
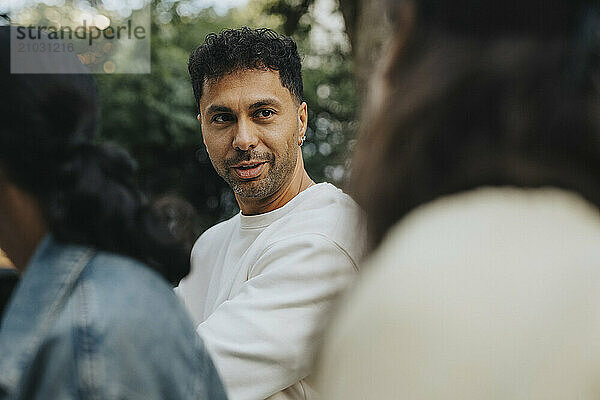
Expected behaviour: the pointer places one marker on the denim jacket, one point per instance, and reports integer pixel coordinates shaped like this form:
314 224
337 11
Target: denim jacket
83 324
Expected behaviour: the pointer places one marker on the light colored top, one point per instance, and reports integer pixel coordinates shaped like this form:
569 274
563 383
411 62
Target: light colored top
261 288
490 294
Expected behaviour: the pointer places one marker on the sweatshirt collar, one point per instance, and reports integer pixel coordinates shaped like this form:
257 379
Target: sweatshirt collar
266 219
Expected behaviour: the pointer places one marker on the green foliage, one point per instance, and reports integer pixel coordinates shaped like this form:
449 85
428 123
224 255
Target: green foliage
153 116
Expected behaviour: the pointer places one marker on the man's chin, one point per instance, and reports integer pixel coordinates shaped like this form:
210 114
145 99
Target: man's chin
257 188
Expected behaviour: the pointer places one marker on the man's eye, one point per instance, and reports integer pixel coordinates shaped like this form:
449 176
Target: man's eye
266 113
222 118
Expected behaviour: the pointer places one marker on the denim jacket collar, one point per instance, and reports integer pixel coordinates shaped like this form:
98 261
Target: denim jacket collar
45 286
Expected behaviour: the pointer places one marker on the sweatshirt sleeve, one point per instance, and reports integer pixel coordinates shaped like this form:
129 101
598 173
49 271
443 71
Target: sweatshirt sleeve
263 339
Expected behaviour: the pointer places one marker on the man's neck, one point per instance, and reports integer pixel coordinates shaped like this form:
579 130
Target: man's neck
299 182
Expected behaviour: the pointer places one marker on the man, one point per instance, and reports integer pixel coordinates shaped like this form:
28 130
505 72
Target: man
262 282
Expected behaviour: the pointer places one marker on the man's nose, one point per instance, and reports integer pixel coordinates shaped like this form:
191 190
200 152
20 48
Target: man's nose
245 136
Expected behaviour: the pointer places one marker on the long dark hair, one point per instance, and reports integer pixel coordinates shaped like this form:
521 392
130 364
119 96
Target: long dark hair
505 93
86 190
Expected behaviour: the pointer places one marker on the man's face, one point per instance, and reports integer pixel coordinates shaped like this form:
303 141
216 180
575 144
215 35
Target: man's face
251 126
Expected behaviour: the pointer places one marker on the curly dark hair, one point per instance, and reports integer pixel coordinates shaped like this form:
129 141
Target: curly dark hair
245 48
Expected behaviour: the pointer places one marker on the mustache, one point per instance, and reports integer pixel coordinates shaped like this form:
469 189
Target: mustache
248 155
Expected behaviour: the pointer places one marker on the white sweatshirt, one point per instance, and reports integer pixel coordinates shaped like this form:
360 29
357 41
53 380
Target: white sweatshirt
261 288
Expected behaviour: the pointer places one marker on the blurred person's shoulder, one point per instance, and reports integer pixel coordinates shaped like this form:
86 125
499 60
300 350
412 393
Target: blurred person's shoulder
137 332
464 274
127 290
498 223
500 244
106 324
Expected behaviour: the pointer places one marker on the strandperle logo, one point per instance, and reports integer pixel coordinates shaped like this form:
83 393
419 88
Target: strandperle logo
82 32
105 40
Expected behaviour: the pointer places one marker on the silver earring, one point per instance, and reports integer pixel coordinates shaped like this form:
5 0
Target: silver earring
302 139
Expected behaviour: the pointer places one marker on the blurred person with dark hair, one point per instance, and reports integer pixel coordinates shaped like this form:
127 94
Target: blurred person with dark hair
93 315
263 282
479 168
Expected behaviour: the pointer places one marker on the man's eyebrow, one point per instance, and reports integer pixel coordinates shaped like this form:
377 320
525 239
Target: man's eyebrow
265 102
216 108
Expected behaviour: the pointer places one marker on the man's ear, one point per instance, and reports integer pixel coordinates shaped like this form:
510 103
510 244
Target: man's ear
302 119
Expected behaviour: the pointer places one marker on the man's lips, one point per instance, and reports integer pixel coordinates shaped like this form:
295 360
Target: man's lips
249 169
